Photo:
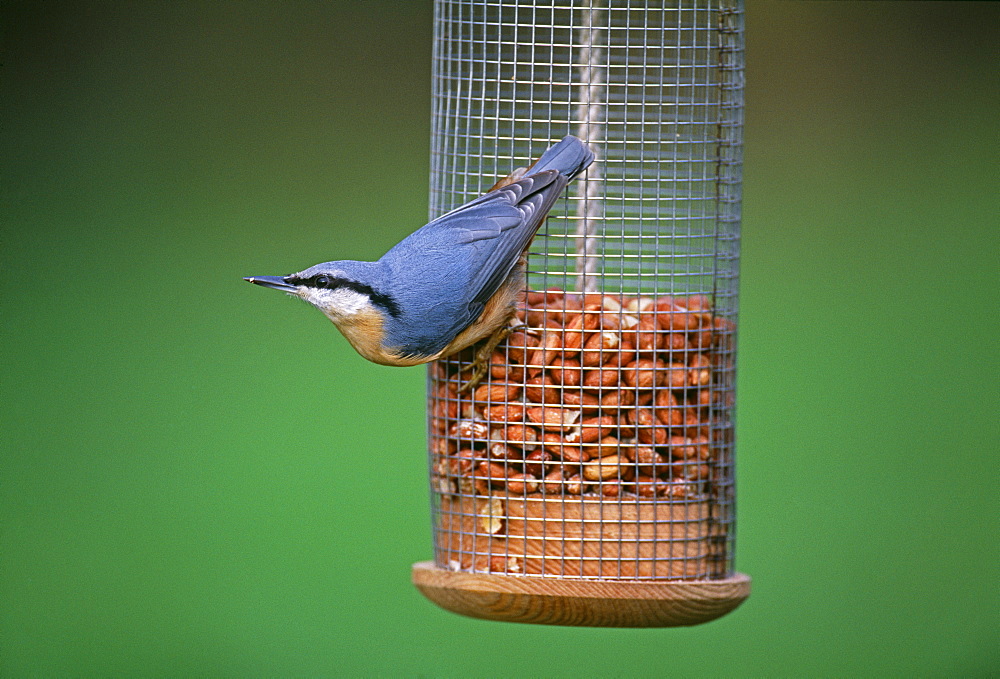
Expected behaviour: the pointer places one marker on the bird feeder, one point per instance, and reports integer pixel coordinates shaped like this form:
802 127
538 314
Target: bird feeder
589 478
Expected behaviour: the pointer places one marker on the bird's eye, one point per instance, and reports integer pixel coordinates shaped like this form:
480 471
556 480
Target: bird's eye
321 281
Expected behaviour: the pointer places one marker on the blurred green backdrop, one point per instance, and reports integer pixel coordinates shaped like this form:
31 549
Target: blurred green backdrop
201 478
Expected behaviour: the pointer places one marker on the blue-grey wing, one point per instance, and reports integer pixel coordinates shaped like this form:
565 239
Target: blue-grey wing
495 229
480 242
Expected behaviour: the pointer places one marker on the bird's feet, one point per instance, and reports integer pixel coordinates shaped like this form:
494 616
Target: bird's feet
481 362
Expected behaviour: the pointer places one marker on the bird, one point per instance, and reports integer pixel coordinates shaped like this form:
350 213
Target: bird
451 283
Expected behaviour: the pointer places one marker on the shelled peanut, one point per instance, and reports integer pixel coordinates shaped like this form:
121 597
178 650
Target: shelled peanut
590 394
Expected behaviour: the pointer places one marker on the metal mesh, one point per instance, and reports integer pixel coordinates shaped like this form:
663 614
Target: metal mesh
602 443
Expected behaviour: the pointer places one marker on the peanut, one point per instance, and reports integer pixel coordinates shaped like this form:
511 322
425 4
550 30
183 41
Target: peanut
647 428
611 489
493 473
566 372
521 436
541 389
470 429
596 428
519 484
505 412
519 344
492 514
463 462
602 469
675 376
551 345
642 374
585 401
668 411
599 347
625 354
680 489
646 335
500 369
617 399
553 418
702 340
672 316
573 336
569 448
496 391
675 342
681 447
647 486
598 379
558 481
639 305
538 462
700 373
501 451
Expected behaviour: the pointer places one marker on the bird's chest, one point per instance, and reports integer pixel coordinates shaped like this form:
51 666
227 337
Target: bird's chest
495 315
365 330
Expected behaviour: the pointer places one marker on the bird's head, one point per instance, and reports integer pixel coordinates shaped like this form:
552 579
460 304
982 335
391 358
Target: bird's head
344 291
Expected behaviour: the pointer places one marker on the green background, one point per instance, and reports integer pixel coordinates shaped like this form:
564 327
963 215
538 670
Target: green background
200 478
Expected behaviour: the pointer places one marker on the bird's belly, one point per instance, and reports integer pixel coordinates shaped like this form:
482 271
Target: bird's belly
496 314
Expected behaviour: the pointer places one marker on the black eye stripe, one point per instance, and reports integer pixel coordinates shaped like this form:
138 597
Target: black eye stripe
332 283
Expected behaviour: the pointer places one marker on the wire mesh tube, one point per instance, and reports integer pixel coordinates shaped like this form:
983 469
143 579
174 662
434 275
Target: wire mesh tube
601 444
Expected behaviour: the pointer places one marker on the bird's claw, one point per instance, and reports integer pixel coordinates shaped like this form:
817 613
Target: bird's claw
478 373
481 362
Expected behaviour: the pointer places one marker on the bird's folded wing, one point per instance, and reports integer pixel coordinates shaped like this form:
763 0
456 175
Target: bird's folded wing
495 229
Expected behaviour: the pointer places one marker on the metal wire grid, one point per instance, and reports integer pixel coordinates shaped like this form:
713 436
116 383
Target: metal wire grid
657 92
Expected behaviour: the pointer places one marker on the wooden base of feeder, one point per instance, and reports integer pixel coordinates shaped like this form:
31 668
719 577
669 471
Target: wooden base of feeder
585 550
589 603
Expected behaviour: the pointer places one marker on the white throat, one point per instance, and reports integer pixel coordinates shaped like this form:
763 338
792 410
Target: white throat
337 304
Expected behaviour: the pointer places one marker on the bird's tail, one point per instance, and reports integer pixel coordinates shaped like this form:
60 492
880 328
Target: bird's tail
570 156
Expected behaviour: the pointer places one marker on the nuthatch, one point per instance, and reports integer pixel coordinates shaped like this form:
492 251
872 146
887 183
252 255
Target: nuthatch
450 283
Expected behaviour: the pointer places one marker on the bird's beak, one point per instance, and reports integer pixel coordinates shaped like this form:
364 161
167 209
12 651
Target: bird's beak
276 282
